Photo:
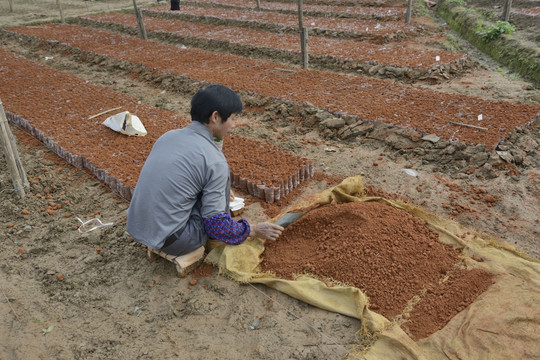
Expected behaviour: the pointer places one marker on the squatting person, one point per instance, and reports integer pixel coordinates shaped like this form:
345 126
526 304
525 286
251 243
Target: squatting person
182 196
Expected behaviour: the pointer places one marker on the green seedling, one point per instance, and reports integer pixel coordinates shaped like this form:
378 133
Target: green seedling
492 32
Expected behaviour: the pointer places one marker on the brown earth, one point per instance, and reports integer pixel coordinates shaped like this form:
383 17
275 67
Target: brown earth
63 298
387 253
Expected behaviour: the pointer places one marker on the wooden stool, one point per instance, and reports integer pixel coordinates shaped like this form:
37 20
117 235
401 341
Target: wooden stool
185 264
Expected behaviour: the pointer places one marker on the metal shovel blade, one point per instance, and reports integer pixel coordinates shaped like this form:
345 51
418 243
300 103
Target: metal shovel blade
289 218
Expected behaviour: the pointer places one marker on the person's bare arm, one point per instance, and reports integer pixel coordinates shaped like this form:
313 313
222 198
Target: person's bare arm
266 230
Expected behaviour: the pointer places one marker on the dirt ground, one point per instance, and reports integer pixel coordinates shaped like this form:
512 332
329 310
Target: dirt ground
68 294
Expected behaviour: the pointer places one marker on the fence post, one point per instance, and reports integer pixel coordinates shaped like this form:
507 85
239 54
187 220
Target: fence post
507 10
303 36
61 12
140 22
409 11
18 176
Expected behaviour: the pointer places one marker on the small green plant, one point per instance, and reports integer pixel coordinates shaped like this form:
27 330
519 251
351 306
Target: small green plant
501 70
492 32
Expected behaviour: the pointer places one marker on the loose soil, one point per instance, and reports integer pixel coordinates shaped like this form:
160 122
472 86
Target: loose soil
94 295
389 254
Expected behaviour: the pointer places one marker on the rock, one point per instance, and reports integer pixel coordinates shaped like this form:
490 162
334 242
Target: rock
374 69
333 123
381 131
449 150
506 156
288 130
518 156
479 159
399 141
431 138
355 130
527 143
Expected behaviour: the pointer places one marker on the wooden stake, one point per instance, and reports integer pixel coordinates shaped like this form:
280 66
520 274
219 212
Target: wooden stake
303 47
140 22
10 6
468 125
18 176
104 112
61 12
409 11
258 5
507 9
303 36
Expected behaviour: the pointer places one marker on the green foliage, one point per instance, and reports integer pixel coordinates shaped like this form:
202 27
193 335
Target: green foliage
492 32
451 43
456 2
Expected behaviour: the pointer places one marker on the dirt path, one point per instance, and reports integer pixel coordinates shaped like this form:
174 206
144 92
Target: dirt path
94 295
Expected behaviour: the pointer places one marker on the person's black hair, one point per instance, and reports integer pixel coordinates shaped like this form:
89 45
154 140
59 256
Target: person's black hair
214 98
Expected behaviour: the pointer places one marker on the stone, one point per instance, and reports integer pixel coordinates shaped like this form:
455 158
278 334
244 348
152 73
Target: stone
449 150
431 138
399 141
355 130
333 123
506 156
374 69
479 159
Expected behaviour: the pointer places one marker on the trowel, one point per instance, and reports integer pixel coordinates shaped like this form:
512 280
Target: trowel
289 218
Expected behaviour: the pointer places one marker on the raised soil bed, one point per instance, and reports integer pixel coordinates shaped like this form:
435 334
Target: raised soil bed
374 12
404 59
55 107
428 112
355 28
389 254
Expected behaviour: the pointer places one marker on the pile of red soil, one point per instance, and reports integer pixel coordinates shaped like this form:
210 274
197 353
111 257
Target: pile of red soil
443 301
55 107
387 253
367 98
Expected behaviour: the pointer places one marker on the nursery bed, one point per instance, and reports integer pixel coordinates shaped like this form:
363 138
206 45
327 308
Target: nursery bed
452 117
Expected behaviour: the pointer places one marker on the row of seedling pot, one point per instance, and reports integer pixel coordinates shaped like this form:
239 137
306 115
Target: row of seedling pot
273 192
80 162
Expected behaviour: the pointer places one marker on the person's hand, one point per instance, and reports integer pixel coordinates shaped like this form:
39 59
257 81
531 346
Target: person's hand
266 230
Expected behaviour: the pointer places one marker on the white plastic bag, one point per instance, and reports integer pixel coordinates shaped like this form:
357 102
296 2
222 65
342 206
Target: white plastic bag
126 124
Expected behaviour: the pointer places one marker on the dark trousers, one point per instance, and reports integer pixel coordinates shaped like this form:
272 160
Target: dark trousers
175 4
189 238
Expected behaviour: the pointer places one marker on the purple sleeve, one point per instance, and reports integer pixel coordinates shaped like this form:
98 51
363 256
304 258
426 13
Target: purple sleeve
223 228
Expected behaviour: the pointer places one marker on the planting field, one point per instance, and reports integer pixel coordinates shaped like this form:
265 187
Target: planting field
425 120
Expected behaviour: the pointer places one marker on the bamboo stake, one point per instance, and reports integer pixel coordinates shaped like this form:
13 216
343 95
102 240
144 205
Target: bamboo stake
409 11
507 10
140 22
61 12
468 125
18 177
303 36
104 112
